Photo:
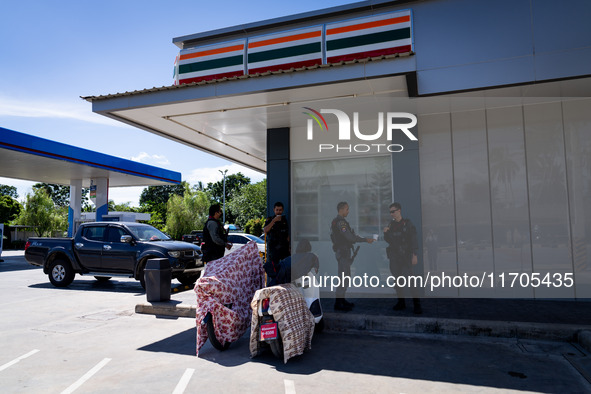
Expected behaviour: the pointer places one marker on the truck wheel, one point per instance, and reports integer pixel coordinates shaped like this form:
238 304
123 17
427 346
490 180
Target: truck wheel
142 276
61 273
141 269
211 334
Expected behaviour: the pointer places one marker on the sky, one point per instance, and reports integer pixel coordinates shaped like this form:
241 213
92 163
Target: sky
54 52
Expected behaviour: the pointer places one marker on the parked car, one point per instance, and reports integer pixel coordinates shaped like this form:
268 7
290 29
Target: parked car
107 249
238 240
195 237
231 228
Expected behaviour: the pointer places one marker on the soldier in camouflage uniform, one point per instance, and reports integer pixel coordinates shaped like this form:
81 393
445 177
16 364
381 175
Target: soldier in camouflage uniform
343 238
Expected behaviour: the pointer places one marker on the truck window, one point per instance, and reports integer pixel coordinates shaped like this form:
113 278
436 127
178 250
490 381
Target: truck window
114 234
94 233
147 233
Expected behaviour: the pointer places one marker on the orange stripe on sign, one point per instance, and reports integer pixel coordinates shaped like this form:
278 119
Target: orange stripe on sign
212 52
280 40
368 25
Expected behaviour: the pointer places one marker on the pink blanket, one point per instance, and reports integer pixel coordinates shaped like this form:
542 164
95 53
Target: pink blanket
233 279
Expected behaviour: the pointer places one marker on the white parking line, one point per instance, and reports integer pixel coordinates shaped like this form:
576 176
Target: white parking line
182 385
16 360
86 376
289 386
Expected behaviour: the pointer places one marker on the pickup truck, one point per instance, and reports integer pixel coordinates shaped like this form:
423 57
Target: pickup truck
195 237
107 249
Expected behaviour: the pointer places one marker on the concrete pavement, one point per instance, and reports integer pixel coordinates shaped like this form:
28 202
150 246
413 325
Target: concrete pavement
89 321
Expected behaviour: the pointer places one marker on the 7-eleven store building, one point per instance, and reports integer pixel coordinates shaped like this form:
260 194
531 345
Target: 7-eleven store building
497 178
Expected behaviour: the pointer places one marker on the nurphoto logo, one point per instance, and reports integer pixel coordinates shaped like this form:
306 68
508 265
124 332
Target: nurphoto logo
390 119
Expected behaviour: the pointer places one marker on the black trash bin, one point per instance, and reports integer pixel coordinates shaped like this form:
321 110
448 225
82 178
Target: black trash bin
157 275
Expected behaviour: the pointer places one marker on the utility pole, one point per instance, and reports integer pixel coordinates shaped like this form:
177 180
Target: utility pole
224 208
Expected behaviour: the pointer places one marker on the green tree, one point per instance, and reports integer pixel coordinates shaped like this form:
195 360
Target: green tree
249 203
41 213
9 191
186 213
60 194
9 209
123 207
234 183
154 199
198 187
255 226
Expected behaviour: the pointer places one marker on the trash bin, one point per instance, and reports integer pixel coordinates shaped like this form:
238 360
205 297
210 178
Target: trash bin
157 275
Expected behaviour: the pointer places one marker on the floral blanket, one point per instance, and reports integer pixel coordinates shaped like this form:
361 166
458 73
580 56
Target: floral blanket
231 280
295 321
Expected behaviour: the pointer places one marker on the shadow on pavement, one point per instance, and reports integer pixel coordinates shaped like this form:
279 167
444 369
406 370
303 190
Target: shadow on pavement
477 364
91 284
182 343
15 264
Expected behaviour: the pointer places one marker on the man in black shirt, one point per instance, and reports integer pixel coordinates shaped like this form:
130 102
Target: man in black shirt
277 237
215 238
401 236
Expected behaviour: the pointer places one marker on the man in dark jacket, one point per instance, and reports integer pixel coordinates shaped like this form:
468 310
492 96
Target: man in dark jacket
401 236
215 238
343 238
277 237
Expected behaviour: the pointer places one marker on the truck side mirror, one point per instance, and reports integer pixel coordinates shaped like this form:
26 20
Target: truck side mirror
126 239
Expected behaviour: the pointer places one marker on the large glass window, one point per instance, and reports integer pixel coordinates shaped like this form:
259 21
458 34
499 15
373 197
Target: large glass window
437 197
366 185
577 130
472 196
548 202
505 191
509 195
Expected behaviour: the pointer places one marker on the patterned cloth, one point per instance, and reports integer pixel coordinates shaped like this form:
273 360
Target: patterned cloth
295 321
233 279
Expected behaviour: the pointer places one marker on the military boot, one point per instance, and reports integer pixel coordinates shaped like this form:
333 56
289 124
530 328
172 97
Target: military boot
339 305
400 305
417 306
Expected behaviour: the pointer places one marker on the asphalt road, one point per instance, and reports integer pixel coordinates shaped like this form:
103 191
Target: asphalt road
87 339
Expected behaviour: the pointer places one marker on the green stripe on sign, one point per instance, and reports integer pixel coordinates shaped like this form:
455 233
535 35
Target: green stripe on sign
211 64
368 39
280 53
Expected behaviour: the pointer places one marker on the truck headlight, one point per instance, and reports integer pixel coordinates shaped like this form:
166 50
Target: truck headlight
176 254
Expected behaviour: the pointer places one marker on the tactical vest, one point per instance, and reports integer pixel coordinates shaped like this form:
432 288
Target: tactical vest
400 245
211 251
338 241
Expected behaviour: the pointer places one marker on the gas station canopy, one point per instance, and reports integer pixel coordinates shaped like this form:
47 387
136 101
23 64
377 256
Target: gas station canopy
26 157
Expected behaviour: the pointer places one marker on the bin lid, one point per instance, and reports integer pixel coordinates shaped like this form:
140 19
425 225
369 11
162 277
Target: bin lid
158 264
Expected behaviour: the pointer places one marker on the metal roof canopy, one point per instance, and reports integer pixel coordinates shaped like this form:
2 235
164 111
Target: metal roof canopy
26 157
230 119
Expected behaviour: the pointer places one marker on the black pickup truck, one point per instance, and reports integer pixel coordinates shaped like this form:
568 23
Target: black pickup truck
194 237
107 249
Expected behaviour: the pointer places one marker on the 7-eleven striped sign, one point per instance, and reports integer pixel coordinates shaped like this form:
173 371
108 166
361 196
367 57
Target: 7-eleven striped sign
373 36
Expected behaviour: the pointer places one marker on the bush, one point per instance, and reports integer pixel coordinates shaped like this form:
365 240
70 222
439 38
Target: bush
254 226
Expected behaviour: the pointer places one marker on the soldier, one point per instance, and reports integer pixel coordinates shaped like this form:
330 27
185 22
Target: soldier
401 236
343 238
